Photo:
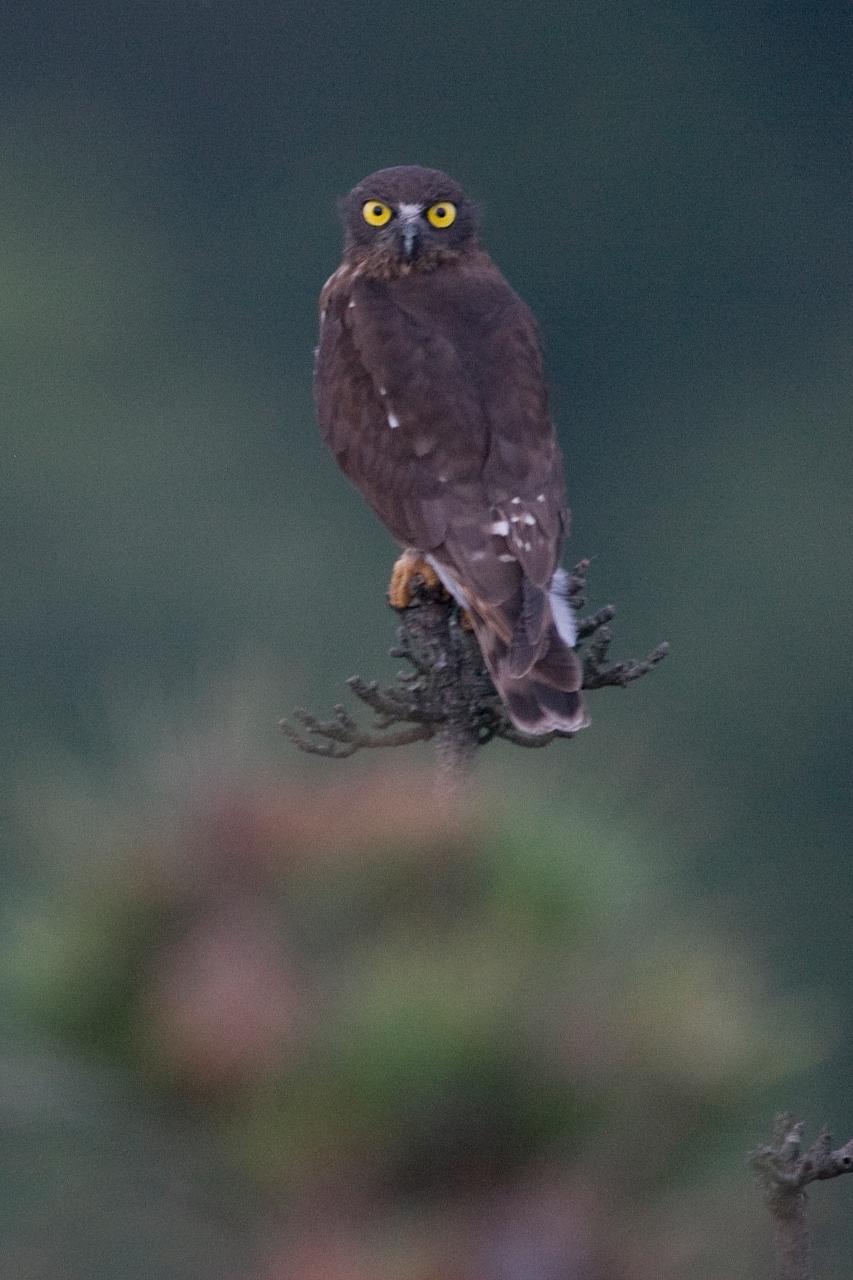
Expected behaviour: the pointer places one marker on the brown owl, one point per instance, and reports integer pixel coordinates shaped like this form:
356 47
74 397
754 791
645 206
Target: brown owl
431 394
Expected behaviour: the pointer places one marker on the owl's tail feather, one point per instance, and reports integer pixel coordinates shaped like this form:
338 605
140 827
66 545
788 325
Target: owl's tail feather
536 708
541 695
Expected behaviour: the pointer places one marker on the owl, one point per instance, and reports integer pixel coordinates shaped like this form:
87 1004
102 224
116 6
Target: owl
431 394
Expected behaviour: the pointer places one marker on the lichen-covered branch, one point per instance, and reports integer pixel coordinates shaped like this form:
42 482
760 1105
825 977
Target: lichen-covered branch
785 1172
446 694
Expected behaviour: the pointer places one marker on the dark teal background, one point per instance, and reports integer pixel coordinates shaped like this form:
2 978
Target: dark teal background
668 186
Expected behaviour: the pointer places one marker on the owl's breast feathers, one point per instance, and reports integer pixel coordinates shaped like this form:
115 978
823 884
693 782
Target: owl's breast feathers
430 391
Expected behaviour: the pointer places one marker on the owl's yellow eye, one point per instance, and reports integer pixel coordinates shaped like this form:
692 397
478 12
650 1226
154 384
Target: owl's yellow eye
376 212
442 214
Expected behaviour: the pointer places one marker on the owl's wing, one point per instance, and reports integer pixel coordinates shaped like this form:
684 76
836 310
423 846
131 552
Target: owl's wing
398 409
430 391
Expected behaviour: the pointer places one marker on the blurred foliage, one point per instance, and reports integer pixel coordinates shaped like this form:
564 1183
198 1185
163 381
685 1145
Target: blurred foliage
294 1010
391 1022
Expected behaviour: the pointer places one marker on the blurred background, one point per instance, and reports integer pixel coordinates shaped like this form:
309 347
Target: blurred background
272 1018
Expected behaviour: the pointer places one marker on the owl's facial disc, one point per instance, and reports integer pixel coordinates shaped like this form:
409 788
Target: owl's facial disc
406 218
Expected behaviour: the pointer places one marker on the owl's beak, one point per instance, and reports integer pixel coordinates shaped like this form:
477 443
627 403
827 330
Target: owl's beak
409 231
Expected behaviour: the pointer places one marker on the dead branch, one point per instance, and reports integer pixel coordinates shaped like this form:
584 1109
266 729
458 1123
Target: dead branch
447 694
784 1174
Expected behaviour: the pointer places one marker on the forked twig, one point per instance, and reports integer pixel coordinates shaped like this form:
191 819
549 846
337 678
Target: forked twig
341 736
785 1173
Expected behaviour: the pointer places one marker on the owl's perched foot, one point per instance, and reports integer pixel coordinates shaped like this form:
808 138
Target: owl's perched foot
408 567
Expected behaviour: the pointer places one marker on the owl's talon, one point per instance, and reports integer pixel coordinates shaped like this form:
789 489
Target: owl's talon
408 567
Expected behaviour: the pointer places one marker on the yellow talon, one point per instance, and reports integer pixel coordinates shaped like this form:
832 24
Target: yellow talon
408 567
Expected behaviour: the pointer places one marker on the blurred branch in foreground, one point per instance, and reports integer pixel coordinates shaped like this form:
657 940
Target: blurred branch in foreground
448 695
784 1173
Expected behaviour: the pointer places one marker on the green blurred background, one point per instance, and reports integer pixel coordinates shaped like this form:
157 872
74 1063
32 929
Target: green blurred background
271 1018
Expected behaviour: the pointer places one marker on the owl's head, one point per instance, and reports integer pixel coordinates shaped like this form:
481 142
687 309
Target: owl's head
408 217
